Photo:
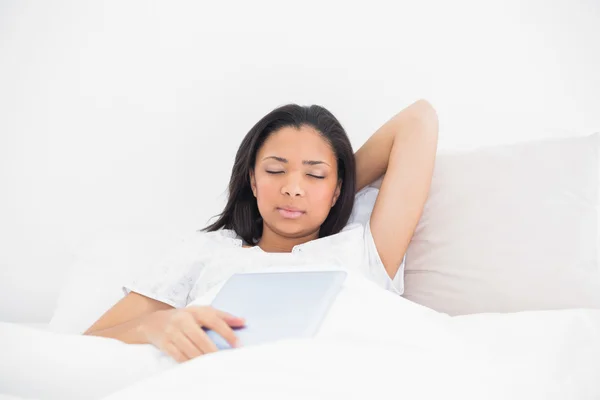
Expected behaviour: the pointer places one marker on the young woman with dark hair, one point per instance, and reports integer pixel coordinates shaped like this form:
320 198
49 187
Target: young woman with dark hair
291 200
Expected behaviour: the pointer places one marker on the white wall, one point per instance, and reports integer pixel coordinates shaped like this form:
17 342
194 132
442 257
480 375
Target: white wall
127 114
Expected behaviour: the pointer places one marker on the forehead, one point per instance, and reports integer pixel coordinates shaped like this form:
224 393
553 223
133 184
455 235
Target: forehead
305 143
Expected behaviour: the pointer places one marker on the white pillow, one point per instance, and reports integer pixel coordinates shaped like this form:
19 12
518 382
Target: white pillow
94 282
509 228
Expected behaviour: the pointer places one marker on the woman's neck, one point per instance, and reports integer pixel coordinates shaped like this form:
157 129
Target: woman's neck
272 242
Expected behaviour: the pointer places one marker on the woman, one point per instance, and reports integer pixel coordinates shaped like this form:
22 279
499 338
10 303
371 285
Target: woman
291 195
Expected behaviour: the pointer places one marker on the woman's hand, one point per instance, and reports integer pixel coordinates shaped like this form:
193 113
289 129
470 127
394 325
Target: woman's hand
179 333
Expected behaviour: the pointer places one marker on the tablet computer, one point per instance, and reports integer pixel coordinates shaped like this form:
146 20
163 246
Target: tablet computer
277 305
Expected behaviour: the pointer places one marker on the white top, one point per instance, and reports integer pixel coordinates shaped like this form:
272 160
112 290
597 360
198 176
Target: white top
207 259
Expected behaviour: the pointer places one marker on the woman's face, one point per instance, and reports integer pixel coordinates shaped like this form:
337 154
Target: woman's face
295 181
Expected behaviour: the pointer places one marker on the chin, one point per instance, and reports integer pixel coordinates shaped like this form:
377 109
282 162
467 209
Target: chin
291 228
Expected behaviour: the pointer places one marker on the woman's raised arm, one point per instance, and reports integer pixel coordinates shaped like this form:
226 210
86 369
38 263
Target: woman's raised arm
403 149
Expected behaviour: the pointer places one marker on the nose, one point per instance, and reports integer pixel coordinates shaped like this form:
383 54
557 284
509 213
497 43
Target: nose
293 186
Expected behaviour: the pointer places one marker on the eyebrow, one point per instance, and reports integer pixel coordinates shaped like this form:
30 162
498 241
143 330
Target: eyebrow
305 162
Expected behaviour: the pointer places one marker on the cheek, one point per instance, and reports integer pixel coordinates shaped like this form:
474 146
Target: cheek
265 187
323 196
266 191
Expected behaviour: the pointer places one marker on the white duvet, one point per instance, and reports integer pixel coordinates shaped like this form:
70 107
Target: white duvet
373 344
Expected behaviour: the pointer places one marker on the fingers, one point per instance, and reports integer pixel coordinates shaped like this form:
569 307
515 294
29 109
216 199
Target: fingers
218 321
198 337
186 346
231 320
174 352
185 339
188 342
221 327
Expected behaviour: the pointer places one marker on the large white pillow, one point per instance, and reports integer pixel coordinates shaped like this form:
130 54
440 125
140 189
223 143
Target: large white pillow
103 263
509 228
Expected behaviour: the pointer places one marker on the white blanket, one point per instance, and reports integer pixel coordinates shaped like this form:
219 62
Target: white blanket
372 343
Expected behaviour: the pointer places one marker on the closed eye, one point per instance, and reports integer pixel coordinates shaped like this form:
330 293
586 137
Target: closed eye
281 172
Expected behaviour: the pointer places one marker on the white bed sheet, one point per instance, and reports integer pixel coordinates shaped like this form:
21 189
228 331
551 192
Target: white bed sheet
372 343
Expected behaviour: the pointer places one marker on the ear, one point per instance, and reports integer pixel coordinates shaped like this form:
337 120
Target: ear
253 182
336 195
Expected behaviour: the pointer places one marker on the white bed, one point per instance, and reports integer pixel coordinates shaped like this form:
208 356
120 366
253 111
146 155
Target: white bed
372 344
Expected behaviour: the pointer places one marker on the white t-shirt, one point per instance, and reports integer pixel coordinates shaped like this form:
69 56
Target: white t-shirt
207 259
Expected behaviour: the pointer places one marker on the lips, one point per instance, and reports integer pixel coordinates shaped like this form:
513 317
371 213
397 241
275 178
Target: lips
290 212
